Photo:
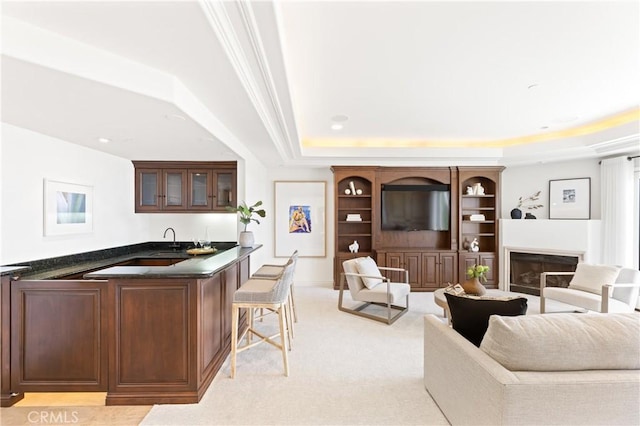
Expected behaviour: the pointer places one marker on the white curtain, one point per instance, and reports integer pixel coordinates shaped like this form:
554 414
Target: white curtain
617 211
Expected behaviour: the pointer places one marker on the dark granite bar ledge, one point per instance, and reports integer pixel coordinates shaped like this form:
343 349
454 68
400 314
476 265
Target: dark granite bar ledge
196 267
8 270
56 267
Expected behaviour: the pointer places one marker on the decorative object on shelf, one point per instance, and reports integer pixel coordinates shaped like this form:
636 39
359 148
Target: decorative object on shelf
247 213
478 189
474 246
347 191
353 248
299 218
475 274
469 190
359 191
527 203
353 187
570 198
477 217
353 217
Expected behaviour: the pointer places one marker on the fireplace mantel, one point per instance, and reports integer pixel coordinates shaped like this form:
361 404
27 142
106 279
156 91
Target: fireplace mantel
571 237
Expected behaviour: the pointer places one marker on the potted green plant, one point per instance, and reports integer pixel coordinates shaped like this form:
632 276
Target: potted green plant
475 274
247 214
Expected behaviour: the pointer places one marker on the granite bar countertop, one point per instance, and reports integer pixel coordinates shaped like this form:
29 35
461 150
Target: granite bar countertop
196 267
58 267
8 270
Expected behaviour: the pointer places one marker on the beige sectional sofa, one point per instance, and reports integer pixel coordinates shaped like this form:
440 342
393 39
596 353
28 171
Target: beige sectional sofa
560 369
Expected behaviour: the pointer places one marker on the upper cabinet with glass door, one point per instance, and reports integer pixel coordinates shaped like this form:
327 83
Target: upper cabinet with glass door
174 186
211 189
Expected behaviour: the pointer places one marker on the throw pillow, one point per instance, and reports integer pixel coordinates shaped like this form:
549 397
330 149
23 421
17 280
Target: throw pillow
367 266
470 316
591 278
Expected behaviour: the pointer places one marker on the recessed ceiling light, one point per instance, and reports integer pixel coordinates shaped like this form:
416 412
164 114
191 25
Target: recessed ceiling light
544 127
339 118
532 86
175 117
104 140
336 126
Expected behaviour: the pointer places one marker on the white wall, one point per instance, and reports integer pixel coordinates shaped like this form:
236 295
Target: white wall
309 270
27 158
526 180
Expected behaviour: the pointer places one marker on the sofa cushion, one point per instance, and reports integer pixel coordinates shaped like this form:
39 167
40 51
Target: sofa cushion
591 278
564 341
470 315
367 266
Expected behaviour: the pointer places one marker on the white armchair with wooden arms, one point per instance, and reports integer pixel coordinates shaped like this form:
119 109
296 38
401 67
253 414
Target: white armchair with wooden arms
599 288
367 284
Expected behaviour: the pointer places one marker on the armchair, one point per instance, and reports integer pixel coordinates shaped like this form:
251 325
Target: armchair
606 296
366 284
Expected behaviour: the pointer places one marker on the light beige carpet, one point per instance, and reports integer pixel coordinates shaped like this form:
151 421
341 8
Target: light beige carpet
344 370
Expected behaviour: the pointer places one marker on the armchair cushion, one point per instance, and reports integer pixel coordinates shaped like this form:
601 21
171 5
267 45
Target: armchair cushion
591 278
367 266
470 316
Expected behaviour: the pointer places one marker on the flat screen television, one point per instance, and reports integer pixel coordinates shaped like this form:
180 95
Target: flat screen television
416 207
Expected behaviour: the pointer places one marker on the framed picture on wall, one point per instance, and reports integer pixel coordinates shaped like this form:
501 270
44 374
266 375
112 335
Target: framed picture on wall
68 208
300 218
570 198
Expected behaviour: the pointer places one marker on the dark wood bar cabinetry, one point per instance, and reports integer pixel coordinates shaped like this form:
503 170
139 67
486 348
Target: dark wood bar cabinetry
143 334
434 258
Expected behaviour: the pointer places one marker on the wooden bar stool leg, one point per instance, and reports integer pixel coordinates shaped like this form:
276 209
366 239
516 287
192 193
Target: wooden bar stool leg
283 340
234 338
293 304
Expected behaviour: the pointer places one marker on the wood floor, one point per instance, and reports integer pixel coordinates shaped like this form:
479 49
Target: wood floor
79 408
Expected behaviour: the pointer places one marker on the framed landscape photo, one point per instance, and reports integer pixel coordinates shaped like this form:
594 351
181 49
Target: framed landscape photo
570 198
300 218
68 208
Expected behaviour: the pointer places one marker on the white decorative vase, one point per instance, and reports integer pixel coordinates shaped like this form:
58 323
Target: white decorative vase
246 239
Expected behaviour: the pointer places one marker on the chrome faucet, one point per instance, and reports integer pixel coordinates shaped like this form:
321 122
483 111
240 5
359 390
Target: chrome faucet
174 236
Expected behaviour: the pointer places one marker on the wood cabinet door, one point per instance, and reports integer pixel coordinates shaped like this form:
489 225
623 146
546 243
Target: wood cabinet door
174 194
394 260
489 259
199 189
448 269
59 336
148 190
223 189
430 270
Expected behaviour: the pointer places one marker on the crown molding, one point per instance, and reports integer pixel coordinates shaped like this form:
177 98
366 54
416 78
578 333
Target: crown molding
257 80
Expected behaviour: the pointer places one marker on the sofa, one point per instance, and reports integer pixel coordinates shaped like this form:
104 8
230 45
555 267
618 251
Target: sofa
562 368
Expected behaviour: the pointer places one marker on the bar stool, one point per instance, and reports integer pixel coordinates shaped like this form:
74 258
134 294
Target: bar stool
273 272
262 293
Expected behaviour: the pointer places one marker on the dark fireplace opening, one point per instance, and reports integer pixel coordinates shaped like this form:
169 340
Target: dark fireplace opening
525 270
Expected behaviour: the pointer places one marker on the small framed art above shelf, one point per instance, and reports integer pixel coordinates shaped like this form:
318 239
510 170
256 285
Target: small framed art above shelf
570 198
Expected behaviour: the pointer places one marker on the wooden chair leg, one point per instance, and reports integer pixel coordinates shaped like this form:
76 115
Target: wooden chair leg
234 339
293 304
283 339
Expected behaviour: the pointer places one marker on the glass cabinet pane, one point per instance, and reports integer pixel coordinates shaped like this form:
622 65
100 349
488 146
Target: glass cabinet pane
199 189
224 190
149 189
173 189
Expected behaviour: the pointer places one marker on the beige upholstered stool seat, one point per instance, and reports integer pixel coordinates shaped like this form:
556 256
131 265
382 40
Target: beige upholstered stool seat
257 293
273 272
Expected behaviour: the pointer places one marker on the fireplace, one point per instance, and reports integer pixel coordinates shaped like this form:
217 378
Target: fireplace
525 269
